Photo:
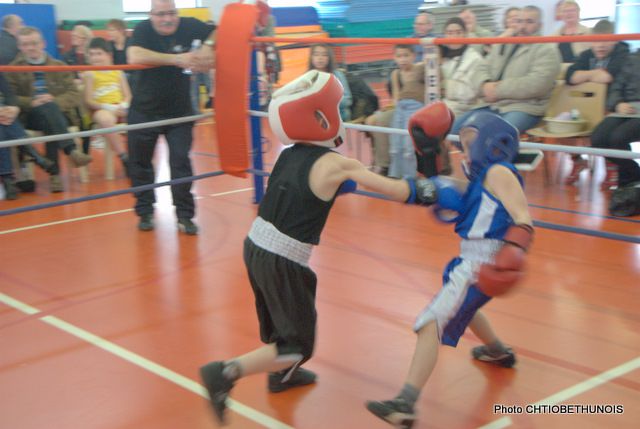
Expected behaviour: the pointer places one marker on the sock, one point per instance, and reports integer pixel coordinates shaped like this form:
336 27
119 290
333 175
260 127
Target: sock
232 370
409 394
496 348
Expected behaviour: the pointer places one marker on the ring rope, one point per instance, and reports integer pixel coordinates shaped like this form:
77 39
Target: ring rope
98 131
610 153
452 40
109 194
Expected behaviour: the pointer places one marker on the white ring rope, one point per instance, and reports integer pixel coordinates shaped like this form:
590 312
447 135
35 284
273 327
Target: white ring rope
611 153
98 131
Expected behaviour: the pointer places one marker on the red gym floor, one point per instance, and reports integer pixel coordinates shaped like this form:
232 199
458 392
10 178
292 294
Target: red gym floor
103 326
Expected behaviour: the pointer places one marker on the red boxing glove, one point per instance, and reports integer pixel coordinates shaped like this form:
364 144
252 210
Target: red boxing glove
508 266
428 127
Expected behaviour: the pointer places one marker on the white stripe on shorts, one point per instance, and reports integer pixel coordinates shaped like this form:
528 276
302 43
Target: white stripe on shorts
450 298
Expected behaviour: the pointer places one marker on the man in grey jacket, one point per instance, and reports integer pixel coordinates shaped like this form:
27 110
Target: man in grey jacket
518 79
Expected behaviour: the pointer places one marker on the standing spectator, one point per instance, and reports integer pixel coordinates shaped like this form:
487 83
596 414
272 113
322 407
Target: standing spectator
48 101
519 79
117 30
600 64
570 12
11 24
107 95
321 58
165 39
618 131
407 83
422 27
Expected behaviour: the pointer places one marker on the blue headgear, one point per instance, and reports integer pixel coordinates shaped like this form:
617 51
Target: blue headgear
497 141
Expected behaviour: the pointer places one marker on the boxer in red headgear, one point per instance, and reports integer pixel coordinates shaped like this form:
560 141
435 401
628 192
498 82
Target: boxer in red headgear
302 188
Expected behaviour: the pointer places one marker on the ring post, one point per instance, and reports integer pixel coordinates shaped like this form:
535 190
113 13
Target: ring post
256 133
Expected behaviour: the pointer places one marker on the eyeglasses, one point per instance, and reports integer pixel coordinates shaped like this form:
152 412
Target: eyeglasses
526 21
453 32
169 13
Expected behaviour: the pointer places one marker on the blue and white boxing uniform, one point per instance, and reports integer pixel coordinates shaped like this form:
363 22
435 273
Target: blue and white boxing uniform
482 224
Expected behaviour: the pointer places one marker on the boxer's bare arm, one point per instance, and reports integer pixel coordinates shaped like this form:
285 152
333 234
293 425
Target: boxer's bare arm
332 169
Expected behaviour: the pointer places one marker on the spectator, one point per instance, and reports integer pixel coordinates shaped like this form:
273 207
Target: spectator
11 24
619 130
10 129
162 93
470 22
81 35
474 30
600 64
321 59
408 88
117 30
422 27
459 66
570 11
519 79
107 95
48 101
511 22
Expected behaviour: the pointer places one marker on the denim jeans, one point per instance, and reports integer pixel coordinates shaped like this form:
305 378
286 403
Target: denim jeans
522 121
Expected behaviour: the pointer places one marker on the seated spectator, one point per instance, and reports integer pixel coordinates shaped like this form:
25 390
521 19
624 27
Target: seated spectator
422 27
519 79
570 11
321 58
474 30
48 101
11 24
10 129
80 37
600 64
408 91
117 30
620 129
459 64
107 95
511 22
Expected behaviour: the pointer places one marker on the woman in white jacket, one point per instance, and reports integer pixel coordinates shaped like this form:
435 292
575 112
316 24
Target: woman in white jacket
460 86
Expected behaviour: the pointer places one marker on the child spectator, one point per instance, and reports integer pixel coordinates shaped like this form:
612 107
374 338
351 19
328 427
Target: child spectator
321 59
107 95
407 86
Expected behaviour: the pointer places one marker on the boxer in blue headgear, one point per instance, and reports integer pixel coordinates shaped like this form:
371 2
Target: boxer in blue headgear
497 141
491 217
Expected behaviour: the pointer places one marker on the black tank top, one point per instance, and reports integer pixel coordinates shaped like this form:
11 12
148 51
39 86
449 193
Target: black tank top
289 204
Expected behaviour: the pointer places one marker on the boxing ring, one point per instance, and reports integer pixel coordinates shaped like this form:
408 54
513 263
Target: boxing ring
105 326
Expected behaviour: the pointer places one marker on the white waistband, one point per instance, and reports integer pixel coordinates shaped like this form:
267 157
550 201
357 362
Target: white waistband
265 235
481 251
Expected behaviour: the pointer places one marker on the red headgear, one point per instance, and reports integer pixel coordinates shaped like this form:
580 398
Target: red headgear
307 110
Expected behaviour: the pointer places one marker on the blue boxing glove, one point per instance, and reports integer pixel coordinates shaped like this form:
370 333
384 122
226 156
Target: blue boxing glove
449 202
346 187
422 191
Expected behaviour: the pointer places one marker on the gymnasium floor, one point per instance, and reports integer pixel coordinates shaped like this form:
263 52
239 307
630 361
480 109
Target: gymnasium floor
102 326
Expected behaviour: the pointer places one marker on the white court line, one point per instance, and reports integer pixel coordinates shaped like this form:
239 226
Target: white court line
575 390
144 363
75 219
